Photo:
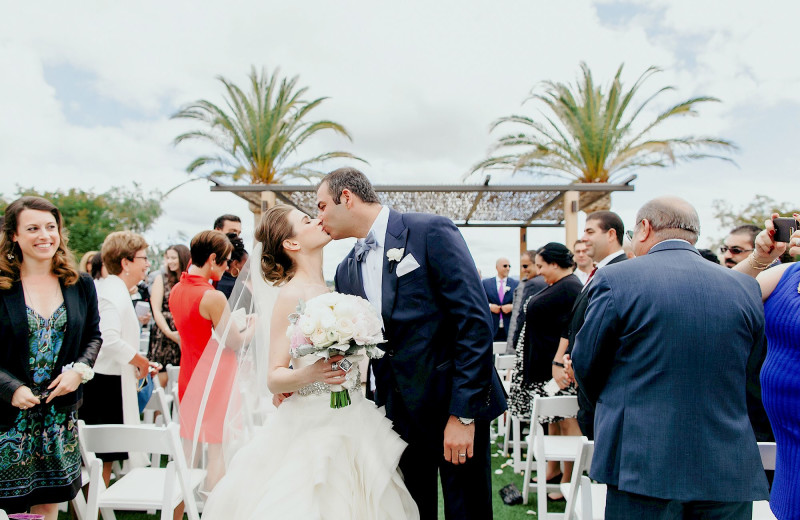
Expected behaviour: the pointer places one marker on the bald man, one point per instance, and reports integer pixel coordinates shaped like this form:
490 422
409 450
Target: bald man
500 293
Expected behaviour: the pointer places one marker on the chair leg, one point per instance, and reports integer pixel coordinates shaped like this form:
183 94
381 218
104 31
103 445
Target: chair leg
517 443
507 433
541 482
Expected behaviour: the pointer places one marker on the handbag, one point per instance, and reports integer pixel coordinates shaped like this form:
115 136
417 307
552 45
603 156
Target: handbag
144 392
510 495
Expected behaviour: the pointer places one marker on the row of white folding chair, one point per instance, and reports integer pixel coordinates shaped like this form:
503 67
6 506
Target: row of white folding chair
587 500
504 364
141 489
543 448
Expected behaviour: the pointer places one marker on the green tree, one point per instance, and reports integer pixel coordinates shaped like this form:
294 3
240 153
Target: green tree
258 133
586 133
754 212
90 217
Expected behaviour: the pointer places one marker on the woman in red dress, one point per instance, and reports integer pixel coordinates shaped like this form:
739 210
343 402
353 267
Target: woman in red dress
197 308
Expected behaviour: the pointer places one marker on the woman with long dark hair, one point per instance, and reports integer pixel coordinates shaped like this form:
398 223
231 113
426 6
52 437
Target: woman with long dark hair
50 337
165 342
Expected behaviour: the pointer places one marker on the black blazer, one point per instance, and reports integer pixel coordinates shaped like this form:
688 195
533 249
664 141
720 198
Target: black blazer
81 344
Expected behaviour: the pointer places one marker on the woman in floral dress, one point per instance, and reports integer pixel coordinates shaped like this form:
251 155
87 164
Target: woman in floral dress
49 337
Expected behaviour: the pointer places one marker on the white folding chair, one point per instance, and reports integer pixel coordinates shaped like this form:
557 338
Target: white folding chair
544 448
141 489
499 347
172 389
504 364
768 451
159 402
585 500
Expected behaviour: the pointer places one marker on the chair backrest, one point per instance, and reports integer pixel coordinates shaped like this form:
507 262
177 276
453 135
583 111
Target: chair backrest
499 347
583 461
172 376
561 406
146 438
504 361
768 452
158 403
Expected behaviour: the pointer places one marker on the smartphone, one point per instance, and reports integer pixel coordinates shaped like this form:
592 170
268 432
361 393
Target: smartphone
784 227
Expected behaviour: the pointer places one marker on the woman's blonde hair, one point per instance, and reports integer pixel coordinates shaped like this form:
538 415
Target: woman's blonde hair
87 257
63 265
119 245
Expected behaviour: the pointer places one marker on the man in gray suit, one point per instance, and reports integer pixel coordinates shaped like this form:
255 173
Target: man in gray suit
665 346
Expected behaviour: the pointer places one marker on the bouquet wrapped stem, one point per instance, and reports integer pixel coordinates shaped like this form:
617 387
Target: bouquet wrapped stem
340 399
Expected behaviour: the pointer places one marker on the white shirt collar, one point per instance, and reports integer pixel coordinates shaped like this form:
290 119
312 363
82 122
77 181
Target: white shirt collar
604 262
378 228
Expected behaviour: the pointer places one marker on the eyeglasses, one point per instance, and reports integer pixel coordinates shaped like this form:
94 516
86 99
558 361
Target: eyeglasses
142 257
525 266
505 265
735 250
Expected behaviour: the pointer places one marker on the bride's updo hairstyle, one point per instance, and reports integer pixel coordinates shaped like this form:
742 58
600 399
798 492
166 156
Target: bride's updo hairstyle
276 265
556 253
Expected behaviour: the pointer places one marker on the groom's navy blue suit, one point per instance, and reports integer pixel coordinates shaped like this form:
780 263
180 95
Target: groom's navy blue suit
438 359
663 353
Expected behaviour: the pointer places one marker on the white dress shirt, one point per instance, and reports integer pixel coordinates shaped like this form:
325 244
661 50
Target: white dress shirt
372 266
497 281
582 275
604 262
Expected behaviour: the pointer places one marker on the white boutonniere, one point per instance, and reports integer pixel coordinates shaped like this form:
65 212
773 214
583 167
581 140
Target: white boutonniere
394 255
507 288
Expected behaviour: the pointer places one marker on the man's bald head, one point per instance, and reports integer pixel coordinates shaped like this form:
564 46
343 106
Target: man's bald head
671 217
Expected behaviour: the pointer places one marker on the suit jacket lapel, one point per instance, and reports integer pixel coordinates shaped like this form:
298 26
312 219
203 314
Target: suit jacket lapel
72 304
396 237
354 278
15 306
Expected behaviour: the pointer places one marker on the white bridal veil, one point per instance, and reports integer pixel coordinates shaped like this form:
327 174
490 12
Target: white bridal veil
227 397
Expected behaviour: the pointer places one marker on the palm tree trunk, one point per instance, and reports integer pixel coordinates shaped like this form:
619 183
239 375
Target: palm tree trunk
592 201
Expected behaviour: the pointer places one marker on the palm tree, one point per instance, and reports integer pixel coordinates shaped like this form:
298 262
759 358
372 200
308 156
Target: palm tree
259 132
588 135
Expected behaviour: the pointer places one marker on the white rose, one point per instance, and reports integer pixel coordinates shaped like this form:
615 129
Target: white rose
320 338
347 308
345 329
308 325
394 255
361 332
332 335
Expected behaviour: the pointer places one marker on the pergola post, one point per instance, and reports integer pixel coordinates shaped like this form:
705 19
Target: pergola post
571 207
523 245
267 201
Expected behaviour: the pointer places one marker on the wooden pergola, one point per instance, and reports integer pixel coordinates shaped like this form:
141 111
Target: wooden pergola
467 205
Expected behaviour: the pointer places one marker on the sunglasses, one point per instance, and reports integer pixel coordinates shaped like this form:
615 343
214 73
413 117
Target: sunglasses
525 266
506 265
736 250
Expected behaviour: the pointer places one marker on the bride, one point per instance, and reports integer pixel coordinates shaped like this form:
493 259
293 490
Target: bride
309 461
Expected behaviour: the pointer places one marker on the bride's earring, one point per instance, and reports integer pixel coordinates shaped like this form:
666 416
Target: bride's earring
10 256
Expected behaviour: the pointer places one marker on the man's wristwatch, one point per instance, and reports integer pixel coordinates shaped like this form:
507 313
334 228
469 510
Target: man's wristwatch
558 364
465 421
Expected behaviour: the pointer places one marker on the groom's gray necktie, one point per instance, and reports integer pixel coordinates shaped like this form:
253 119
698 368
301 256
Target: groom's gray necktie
364 246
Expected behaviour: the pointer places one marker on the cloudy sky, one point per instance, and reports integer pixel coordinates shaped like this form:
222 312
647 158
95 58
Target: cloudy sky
88 88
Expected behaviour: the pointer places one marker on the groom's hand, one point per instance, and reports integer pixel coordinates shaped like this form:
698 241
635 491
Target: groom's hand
458 441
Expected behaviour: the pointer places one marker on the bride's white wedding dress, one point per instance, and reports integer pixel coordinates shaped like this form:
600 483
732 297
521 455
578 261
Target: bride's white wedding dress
311 461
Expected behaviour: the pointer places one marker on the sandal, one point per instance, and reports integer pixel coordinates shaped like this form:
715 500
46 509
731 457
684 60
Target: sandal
555 479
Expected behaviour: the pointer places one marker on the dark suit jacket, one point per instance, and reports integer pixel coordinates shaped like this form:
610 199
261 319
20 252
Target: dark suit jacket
438 358
81 342
490 287
663 352
531 287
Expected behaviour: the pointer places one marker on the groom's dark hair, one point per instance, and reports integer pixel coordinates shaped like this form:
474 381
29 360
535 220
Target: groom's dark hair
349 179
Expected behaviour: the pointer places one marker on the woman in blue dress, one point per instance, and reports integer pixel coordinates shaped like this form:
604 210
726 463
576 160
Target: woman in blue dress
49 339
780 374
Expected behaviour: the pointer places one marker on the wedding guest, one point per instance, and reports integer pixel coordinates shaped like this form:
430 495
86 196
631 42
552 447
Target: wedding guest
237 261
228 224
85 265
49 325
738 244
530 285
110 398
500 293
780 384
649 347
708 255
583 262
98 270
197 309
603 236
547 314
165 342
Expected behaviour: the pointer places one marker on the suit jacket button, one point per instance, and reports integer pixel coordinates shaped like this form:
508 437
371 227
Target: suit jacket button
390 352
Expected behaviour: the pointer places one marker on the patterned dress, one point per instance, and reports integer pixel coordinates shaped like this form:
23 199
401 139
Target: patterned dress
40 462
162 349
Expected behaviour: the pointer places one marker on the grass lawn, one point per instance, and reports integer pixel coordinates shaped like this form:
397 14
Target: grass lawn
501 511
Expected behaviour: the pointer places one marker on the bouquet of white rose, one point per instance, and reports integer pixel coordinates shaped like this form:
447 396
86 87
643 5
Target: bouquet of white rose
336 324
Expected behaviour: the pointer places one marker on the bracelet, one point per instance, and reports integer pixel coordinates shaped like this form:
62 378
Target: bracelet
557 364
83 369
755 264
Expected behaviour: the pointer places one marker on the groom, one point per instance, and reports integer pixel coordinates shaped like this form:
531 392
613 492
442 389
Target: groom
437 379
